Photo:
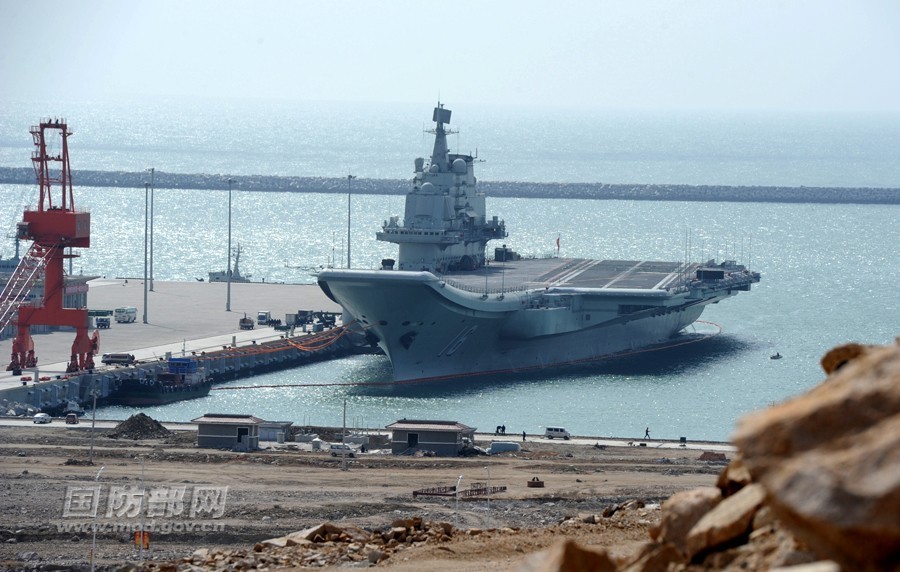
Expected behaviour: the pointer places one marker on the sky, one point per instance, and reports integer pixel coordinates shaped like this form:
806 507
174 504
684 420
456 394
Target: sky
674 54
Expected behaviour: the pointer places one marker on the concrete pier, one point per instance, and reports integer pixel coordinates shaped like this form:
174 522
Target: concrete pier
183 318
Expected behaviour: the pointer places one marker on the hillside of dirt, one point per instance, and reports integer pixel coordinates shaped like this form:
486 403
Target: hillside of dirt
275 492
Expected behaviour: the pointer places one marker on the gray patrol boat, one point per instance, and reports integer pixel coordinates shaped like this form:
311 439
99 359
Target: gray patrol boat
444 310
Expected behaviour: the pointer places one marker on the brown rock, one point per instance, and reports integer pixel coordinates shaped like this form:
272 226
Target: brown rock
653 557
569 556
414 522
280 542
357 534
201 553
681 512
632 504
857 397
297 539
764 518
836 358
734 477
845 503
820 566
830 460
729 520
445 527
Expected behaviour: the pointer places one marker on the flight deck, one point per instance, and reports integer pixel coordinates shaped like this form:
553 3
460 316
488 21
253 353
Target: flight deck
572 273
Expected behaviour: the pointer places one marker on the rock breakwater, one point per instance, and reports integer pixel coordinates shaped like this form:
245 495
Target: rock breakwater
594 191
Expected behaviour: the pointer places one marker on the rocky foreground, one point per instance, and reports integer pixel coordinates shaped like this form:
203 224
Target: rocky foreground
816 487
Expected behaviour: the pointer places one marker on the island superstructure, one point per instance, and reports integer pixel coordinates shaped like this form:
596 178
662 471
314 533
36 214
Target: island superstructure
442 310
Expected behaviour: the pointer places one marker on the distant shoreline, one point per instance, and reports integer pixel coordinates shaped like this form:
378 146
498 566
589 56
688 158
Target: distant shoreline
590 191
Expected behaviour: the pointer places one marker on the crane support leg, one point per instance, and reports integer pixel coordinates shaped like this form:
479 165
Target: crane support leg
83 350
22 350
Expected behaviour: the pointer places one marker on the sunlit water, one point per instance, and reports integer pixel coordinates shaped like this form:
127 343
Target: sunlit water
829 271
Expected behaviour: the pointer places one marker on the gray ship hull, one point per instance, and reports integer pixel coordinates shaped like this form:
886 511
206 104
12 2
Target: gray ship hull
430 327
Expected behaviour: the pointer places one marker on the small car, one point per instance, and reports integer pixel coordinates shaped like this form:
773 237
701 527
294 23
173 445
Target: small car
341 449
552 432
42 418
71 419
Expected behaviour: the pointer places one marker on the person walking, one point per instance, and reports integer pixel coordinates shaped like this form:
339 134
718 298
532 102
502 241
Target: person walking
647 433
523 436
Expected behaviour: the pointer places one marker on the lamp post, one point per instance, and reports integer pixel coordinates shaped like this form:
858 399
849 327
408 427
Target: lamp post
458 481
143 510
344 439
349 178
152 172
94 541
146 227
228 272
489 488
93 418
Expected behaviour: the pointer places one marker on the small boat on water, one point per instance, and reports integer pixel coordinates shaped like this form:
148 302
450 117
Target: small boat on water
184 379
222 275
776 355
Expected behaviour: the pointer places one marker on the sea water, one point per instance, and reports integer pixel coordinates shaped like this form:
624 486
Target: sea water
829 271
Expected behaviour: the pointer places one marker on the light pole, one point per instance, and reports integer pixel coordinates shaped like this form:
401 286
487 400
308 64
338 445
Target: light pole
349 178
228 273
458 481
94 541
143 509
344 440
93 418
489 487
146 227
152 171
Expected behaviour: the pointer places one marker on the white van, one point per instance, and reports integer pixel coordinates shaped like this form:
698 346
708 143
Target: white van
126 314
341 449
551 432
117 359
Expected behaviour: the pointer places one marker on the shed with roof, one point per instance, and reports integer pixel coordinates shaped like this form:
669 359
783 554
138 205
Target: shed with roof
275 431
228 431
443 438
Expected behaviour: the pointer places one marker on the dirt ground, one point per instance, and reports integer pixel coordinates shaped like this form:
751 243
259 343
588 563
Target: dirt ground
274 492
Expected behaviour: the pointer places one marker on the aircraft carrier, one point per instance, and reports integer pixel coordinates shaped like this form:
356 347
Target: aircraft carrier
444 309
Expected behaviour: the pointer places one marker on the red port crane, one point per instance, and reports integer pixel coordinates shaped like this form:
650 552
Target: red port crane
52 227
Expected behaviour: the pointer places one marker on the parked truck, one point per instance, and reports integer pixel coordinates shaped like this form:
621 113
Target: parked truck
246 323
263 317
